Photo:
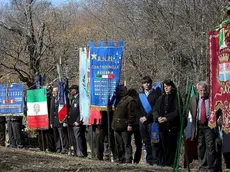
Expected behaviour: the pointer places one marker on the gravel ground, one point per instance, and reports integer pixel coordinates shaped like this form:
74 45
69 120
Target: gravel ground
33 160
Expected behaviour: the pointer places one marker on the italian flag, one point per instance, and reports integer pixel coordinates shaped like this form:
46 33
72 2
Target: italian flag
37 111
190 144
62 108
109 76
8 101
222 29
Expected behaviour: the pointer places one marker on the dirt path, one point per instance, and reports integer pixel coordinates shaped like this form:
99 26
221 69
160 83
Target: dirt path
21 160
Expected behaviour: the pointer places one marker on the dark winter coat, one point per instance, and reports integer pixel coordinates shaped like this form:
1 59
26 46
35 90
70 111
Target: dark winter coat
167 106
74 111
54 120
2 119
124 114
152 98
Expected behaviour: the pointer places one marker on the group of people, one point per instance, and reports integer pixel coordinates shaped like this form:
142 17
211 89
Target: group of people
135 113
14 129
68 135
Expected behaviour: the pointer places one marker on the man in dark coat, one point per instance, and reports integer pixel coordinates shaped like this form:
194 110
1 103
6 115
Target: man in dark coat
48 134
146 119
225 136
122 124
2 130
14 127
60 137
226 150
76 124
136 130
101 138
206 136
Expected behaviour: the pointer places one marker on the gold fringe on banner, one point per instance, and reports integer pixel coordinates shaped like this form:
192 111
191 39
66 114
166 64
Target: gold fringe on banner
212 125
226 130
102 108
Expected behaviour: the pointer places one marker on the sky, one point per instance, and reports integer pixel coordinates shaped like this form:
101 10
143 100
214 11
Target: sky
54 2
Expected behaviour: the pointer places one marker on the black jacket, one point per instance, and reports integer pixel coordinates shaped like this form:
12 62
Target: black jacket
124 114
104 120
152 98
167 106
2 119
49 97
54 120
74 111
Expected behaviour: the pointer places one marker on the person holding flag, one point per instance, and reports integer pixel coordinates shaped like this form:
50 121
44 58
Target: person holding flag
60 138
76 124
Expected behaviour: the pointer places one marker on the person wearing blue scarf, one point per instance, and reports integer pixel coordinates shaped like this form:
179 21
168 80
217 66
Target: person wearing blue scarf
146 101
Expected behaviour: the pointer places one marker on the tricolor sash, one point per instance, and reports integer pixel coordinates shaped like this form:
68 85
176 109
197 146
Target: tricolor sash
145 103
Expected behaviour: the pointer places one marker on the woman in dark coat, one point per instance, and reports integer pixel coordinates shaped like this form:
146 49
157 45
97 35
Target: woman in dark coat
122 124
166 113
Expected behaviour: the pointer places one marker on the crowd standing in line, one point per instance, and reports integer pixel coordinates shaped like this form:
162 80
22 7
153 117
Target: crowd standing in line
135 111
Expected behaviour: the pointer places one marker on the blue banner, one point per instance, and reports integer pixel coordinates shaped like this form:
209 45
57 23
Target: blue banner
11 99
105 69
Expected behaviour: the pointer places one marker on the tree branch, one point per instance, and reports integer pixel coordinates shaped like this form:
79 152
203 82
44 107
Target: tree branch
40 41
12 29
15 58
19 71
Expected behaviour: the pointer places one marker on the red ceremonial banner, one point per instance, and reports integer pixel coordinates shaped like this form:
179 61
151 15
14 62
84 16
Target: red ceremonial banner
219 80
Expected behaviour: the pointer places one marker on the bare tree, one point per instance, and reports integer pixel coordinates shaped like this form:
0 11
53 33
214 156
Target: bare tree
23 53
164 39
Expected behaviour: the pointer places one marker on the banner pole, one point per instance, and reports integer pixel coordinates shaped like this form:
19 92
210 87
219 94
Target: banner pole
43 144
181 133
109 140
125 69
70 140
92 145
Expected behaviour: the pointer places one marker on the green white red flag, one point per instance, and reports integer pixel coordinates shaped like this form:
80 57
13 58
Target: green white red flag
222 31
37 111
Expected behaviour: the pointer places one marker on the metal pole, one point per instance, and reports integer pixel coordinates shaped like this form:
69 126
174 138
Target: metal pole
69 140
109 134
43 145
60 136
92 145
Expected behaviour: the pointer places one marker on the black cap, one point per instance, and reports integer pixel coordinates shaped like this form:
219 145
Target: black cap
76 87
